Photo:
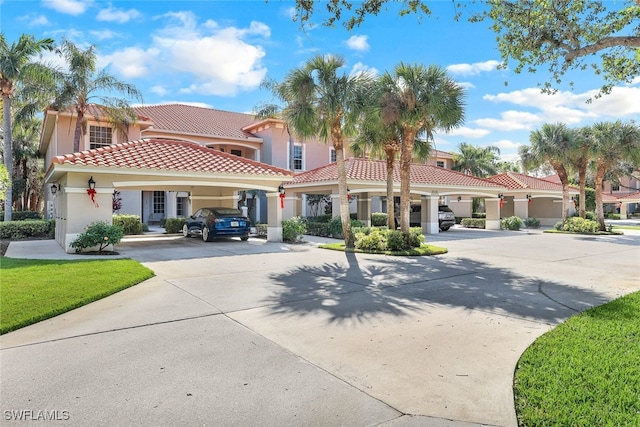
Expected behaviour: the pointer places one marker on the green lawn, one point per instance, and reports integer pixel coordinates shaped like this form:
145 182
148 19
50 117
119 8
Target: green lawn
586 372
626 227
35 290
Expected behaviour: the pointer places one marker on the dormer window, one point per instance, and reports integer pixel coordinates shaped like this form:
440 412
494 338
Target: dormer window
99 136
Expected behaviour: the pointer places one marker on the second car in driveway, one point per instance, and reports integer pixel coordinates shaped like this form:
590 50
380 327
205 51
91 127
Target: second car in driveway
217 222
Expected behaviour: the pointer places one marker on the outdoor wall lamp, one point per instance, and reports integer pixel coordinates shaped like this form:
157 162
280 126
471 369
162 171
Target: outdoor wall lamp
91 191
528 196
92 184
54 188
500 196
459 198
281 189
282 195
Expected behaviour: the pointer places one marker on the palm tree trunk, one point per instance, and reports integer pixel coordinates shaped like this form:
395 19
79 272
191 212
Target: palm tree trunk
391 209
406 157
582 176
78 131
8 154
349 239
600 171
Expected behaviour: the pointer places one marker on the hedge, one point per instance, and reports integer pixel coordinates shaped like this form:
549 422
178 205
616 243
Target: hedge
131 224
22 215
26 229
473 222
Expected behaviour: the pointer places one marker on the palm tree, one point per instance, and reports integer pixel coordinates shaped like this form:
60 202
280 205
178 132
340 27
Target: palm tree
418 100
613 143
551 145
17 69
580 158
83 83
477 161
321 103
26 135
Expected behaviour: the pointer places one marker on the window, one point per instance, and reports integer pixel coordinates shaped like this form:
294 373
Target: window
297 157
99 136
332 155
236 153
615 187
158 202
440 163
180 206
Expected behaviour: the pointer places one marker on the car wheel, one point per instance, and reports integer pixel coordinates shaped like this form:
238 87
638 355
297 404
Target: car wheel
185 231
205 234
244 238
444 228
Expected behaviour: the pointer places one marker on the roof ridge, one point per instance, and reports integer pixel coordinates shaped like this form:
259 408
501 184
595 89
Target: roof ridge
180 104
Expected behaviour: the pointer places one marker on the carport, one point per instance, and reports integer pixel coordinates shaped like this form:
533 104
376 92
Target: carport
210 177
624 201
367 178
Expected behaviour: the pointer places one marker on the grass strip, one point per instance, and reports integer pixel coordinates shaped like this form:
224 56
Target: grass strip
35 290
423 250
585 372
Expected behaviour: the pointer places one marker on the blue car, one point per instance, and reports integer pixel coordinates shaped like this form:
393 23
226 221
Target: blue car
217 222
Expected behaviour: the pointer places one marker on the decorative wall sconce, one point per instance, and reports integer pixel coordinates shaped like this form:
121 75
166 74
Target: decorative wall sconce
54 188
348 194
459 198
282 195
501 197
91 191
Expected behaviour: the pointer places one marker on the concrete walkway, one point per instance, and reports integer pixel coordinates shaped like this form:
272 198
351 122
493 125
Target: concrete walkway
258 333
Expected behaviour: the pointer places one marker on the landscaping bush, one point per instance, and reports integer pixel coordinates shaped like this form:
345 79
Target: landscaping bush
261 230
612 215
26 229
293 229
512 223
320 218
174 225
473 222
577 225
318 229
22 215
591 215
416 238
396 241
375 240
378 219
479 215
130 224
532 222
98 234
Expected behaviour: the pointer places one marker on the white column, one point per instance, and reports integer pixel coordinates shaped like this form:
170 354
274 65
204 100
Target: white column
429 214
274 220
493 214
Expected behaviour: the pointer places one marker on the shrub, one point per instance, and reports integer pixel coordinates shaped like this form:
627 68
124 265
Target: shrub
396 241
335 227
613 216
591 215
130 224
375 240
532 222
174 225
98 234
320 218
479 215
261 229
473 222
577 225
293 229
416 238
512 223
27 229
378 219
318 229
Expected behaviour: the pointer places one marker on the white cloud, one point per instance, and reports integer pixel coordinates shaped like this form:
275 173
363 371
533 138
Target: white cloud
288 12
473 69
121 16
358 43
511 121
159 90
505 144
104 34
34 20
219 60
467 132
359 67
69 7
130 62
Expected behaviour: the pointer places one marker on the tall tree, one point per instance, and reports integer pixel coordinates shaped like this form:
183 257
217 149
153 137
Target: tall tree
17 69
418 100
580 157
568 35
28 166
551 145
477 161
322 103
613 143
83 83
563 35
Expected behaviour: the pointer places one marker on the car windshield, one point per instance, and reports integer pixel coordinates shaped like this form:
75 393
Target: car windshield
444 209
227 212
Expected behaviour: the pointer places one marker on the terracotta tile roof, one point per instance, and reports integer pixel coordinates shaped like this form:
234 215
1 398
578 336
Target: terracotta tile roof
359 169
164 154
94 111
633 196
197 120
519 181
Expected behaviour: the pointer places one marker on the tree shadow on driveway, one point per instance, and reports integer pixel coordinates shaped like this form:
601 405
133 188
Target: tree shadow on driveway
363 287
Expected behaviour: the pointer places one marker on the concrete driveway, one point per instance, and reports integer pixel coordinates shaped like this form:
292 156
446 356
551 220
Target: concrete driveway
257 333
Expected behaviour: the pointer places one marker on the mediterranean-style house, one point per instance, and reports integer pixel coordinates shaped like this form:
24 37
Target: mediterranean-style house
178 158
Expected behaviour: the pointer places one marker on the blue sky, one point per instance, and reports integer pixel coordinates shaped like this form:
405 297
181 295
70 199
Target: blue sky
215 53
